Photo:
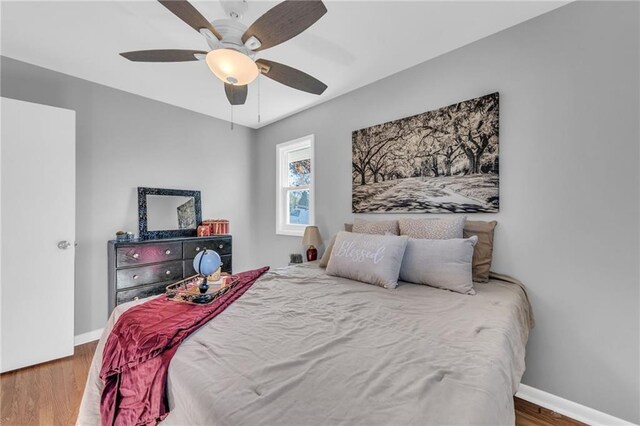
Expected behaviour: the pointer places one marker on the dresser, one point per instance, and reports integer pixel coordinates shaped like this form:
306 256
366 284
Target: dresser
144 268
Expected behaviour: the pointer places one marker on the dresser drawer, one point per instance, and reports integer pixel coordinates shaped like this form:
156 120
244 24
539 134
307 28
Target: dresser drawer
189 270
148 253
220 245
132 277
141 292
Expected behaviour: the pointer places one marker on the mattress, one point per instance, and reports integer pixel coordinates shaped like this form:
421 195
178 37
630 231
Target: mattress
305 348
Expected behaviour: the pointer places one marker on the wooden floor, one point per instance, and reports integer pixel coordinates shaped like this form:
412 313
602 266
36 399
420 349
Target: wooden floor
46 394
49 394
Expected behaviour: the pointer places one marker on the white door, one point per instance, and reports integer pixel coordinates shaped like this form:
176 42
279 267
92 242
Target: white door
37 233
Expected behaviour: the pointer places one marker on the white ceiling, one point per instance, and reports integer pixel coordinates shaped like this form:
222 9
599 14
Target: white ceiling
354 44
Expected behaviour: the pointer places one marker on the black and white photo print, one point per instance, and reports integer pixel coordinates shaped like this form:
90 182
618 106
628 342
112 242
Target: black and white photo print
440 161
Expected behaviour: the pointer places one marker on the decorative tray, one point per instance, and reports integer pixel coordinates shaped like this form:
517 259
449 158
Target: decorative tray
188 290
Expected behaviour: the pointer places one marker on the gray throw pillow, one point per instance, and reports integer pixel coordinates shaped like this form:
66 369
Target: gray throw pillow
434 229
440 263
372 259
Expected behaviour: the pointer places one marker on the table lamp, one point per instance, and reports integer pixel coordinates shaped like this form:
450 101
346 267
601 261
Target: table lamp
311 238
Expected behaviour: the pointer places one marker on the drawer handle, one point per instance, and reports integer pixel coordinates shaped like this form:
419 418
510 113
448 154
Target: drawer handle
167 251
197 248
135 277
136 255
168 272
220 246
136 298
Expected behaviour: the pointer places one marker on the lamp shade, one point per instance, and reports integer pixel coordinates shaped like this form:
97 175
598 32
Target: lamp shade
311 236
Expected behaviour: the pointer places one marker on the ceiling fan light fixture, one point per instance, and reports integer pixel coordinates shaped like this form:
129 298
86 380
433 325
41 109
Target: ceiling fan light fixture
232 67
233 46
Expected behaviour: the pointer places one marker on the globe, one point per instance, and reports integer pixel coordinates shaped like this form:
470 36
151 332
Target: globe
207 262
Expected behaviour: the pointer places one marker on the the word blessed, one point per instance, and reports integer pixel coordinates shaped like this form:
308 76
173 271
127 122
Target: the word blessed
351 250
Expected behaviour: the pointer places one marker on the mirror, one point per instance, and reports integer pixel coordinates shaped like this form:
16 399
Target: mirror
168 213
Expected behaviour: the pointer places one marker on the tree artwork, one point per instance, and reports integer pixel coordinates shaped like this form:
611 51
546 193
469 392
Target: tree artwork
440 161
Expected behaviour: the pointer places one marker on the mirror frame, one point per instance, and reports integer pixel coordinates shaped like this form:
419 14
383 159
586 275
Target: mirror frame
145 234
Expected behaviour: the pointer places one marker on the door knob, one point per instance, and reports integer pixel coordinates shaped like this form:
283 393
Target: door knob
63 245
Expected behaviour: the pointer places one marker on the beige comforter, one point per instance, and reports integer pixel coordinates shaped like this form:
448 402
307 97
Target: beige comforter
303 348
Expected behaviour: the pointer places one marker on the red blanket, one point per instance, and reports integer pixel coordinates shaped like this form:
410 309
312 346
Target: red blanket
136 356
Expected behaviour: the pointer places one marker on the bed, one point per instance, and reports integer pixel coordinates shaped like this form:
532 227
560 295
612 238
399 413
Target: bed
305 348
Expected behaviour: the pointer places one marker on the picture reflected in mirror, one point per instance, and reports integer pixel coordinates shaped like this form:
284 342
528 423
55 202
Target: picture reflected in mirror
166 212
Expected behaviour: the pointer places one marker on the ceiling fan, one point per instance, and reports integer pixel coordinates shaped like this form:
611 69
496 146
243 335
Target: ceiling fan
234 46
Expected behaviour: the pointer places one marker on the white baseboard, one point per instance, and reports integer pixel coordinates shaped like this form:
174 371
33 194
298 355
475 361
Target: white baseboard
569 408
87 337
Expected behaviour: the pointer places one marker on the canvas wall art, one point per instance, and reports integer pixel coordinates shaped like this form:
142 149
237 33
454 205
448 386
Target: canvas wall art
440 161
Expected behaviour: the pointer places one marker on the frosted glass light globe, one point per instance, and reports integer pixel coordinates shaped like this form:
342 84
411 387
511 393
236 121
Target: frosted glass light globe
232 66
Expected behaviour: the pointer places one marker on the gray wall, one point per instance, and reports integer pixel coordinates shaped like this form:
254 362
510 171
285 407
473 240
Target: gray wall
568 224
125 141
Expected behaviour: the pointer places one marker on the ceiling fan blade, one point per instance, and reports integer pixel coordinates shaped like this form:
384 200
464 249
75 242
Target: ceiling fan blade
166 55
284 21
291 77
190 15
237 95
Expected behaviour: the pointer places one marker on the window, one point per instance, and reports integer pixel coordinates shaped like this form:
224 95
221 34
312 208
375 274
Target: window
295 170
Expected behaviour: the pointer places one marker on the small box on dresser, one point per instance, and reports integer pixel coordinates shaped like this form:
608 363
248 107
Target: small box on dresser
139 269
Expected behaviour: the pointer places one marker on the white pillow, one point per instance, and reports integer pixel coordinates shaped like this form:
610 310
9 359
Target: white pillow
440 263
372 259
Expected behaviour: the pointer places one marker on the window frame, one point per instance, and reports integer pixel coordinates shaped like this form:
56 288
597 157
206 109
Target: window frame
282 179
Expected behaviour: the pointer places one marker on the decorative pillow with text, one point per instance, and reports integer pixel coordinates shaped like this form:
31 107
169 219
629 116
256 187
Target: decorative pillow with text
372 259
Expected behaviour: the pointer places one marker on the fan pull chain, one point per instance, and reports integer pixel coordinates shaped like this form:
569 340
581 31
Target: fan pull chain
258 99
231 117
